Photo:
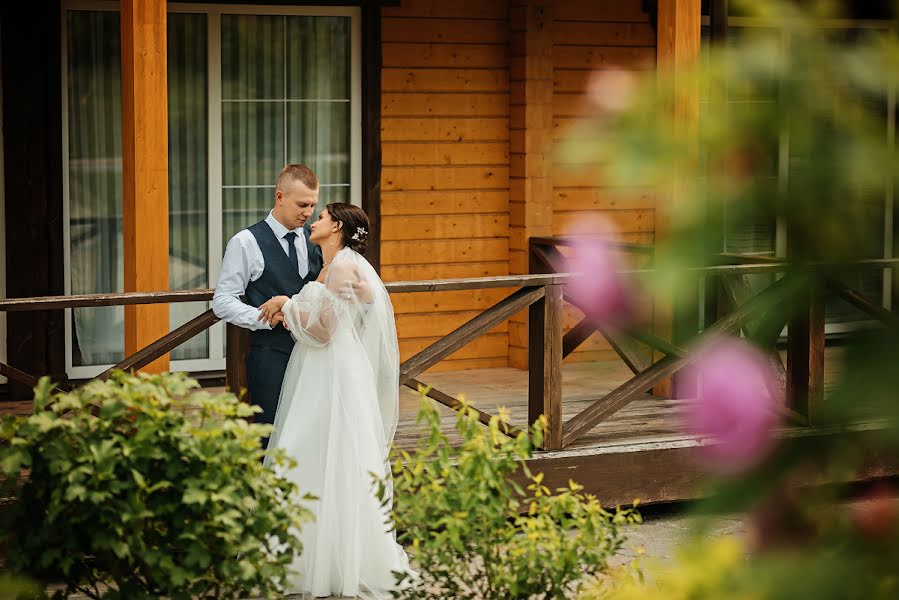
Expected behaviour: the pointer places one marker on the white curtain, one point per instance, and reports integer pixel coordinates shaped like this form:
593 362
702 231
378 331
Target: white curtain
95 182
285 99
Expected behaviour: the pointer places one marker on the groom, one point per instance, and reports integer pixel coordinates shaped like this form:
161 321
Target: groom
271 258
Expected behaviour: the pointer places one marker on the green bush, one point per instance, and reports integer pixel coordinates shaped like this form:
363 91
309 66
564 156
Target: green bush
141 487
473 531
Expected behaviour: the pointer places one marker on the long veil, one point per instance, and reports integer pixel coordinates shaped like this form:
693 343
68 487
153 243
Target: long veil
319 314
377 332
336 416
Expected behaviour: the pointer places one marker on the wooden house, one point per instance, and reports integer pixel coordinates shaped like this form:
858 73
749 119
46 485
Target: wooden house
138 136
438 117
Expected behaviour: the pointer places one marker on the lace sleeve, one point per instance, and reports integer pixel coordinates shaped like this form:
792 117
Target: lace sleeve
312 315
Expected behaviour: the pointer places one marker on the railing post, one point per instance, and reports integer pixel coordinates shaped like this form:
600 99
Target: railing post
237 345
816 353
805 354
545 364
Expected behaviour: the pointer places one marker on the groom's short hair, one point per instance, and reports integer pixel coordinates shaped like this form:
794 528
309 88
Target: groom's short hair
297 172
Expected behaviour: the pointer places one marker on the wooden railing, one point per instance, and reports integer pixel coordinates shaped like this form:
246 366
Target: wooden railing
540 294
543 295
801 379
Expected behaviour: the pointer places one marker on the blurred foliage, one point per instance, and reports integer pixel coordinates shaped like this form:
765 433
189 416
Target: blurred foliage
473 532
819 105
818 101
838 565
17 587
142 486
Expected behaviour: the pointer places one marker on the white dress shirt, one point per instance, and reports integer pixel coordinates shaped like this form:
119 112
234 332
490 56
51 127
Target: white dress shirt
243 262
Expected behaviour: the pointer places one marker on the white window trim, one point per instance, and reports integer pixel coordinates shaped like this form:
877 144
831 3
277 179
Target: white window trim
216 361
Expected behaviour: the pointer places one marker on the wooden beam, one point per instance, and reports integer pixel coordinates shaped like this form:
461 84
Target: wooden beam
477 283
455 404
32 178
471 330
545 365
621 396
577 335
18 375
667 470
145 211
860 302
623 342
163 345
14 374
563 240
677 52
531 124
41 303
371 127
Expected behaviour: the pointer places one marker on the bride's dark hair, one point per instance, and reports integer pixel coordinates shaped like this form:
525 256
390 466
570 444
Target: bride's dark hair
355 225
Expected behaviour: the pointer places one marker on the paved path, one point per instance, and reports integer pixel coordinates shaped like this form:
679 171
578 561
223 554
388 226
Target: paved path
665 529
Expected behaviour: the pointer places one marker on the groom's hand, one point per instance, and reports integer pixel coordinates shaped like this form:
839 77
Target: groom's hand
270 309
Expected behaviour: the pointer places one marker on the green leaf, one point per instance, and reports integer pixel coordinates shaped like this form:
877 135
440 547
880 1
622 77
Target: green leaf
76 492
195 496
139 479
13 460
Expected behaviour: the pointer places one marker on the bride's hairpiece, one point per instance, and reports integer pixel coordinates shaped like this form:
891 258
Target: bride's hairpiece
360 234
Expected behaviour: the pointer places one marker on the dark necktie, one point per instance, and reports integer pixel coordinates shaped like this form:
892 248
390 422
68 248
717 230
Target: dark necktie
292 251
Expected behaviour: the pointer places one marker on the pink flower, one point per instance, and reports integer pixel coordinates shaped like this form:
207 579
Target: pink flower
598 287
734 397
612 90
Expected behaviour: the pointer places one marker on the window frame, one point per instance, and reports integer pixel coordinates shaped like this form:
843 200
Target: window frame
215 249
780 226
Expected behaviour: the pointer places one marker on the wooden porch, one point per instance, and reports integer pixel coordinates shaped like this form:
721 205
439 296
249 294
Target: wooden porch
639 452
603 429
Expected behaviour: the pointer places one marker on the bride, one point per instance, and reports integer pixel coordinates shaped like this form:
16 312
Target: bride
338 412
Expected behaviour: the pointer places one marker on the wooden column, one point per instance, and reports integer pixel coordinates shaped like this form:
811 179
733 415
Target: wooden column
545 368
372 60
32 178
145 211
805 355
530 146
677 51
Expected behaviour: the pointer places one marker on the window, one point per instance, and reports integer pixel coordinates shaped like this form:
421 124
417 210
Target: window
768 237
250 88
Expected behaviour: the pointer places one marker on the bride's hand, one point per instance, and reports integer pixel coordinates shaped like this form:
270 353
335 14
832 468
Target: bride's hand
271 308
359 289
279 318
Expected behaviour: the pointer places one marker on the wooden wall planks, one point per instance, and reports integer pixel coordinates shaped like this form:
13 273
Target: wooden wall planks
445 174
455 144
590 36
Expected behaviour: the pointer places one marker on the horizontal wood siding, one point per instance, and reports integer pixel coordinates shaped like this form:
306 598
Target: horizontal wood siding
590 36
445 166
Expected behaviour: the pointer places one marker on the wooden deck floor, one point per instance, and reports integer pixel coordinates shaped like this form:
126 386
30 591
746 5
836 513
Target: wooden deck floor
647 419
487 389
640 452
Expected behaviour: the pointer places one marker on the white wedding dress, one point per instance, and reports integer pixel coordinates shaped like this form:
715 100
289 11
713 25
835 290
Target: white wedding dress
336 416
